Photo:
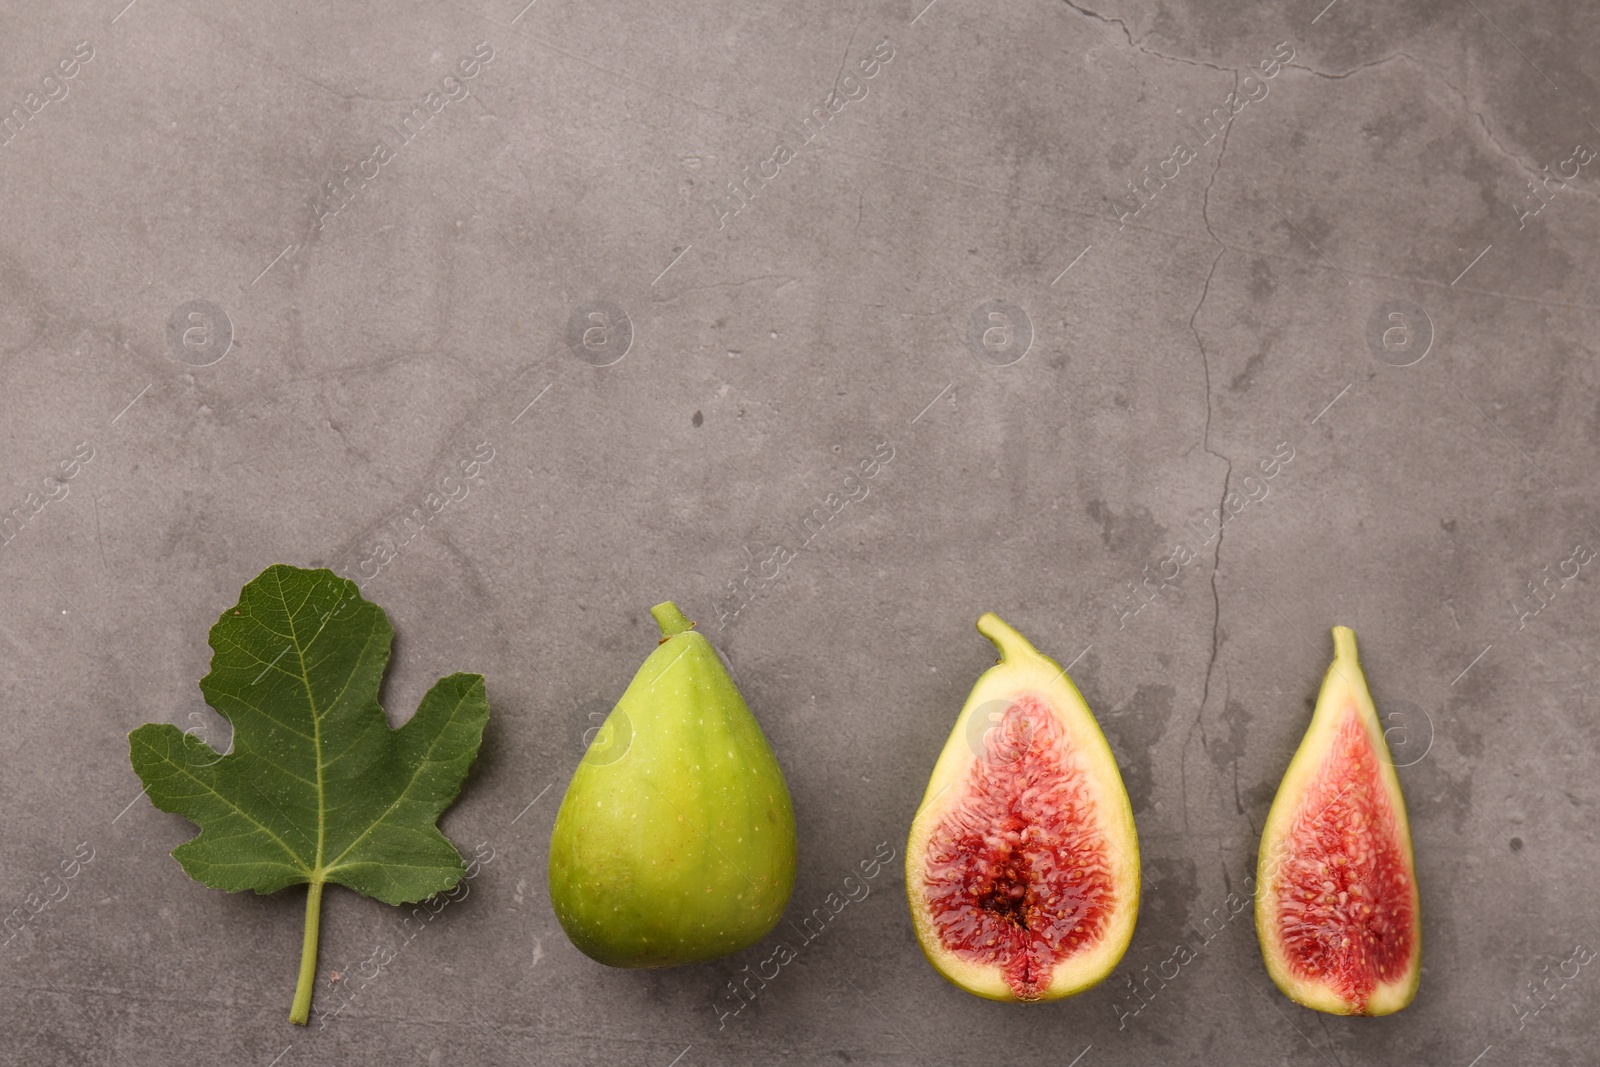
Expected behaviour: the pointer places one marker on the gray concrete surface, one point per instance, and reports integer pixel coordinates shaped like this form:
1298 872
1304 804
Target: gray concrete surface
348 349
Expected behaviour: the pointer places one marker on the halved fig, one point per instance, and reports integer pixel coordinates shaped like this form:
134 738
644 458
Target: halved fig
1022 867
1336 888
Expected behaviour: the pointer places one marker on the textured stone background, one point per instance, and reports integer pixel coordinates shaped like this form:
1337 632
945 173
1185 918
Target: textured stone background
340 369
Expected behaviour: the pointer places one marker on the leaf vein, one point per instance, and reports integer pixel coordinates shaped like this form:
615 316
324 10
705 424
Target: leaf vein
416 771
207 788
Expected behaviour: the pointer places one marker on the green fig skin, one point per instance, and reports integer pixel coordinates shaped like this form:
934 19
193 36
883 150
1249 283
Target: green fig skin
675 842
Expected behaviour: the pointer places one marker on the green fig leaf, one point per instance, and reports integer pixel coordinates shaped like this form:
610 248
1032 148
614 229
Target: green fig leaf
316 787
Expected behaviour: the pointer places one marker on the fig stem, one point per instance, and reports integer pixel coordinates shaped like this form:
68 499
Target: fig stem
670 619
1004 636
1344 644
300 1011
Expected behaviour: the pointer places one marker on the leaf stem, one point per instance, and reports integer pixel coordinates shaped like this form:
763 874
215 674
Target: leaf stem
300 1011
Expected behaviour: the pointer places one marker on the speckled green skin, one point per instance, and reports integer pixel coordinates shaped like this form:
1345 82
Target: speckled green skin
675 842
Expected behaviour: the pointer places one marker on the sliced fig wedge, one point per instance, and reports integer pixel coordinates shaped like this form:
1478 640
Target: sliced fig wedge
1022 867
1337 910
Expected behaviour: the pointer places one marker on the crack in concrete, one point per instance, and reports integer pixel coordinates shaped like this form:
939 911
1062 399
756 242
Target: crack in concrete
1141 49
1483 123
1466 104
1205 443
1340 76
845 58
344 438
1332 1047
94 501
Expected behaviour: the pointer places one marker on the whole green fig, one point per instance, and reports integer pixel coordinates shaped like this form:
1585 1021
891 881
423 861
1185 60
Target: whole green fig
675 842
